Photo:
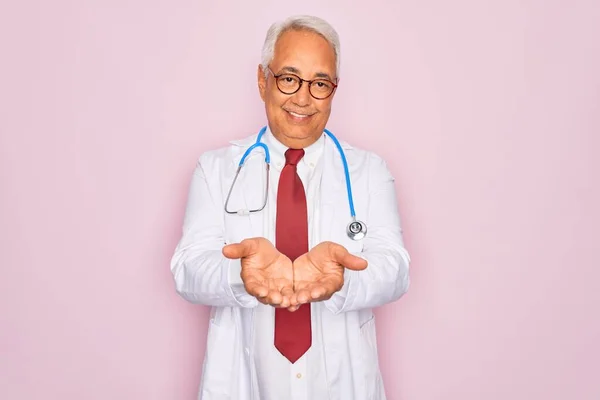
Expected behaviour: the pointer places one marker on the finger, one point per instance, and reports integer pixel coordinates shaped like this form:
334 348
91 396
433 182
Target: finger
348 260
235 251
263 300
275 298
287 294
325 288
301 296
285 303
318 291
294 308
256 289
238 250
315 292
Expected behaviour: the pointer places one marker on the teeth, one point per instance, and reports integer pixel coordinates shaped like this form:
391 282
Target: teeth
298 115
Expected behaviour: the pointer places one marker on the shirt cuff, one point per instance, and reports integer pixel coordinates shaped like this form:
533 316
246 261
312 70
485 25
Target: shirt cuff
237 284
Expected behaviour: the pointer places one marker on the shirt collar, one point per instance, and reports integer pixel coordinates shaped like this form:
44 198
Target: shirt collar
277 150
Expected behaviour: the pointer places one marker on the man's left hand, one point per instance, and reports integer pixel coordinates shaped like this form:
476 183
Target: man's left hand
319 273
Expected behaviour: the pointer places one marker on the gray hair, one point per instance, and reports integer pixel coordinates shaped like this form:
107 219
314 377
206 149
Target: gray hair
300 22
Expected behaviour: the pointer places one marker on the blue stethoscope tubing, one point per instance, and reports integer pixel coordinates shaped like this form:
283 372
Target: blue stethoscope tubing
356 230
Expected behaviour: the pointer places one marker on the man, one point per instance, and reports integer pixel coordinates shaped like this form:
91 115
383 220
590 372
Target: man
291 292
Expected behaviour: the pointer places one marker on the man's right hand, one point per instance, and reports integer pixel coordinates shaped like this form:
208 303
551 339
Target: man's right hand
267 274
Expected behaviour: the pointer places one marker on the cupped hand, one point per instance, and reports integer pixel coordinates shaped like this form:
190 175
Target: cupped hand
267 274
319 273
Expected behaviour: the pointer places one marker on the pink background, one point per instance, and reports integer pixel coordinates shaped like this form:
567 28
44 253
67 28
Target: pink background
487 112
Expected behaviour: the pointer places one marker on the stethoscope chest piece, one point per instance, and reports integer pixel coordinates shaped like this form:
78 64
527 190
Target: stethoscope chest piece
356 230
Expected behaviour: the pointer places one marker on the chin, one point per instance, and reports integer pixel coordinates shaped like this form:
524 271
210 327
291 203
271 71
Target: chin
300 135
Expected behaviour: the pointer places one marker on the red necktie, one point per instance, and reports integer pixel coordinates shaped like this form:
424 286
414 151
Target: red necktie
292 329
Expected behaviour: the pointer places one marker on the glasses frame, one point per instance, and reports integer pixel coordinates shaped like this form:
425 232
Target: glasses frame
309 81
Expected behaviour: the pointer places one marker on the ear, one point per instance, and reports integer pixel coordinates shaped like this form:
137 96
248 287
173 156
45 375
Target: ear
262 82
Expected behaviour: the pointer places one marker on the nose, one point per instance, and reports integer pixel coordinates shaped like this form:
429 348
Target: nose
302 96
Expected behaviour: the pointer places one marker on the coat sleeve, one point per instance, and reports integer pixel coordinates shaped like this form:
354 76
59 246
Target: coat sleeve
202 274
386 277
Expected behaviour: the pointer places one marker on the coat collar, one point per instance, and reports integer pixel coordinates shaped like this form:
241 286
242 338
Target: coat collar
250 140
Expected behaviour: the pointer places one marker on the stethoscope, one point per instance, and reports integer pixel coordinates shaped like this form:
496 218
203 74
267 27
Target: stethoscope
355 230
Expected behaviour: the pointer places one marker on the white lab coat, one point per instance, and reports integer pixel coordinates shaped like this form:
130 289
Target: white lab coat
201 273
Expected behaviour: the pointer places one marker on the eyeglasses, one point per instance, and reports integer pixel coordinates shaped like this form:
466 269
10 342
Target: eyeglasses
287 83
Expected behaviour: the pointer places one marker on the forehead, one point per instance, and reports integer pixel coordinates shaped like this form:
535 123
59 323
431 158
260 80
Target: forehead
305 51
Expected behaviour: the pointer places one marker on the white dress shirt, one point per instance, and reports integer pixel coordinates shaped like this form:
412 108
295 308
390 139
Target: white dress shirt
278 379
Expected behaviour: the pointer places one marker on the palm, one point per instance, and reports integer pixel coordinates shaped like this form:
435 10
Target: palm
271 273
319 273
267 274
316 274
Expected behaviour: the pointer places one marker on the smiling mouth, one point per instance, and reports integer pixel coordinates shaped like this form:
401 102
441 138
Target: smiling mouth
298 115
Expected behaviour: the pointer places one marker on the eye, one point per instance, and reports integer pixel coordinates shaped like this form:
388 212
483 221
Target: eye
322 84
288 80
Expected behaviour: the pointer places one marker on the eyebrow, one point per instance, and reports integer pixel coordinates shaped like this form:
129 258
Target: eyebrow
296 71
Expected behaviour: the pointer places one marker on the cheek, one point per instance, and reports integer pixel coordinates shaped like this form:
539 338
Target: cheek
271 104
274 101
275 113
324 109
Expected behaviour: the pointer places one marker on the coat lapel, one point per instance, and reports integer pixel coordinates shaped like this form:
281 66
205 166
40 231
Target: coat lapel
334 198
335 215
249 190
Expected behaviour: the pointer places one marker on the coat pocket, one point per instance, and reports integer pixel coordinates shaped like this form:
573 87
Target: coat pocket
372 375
220 362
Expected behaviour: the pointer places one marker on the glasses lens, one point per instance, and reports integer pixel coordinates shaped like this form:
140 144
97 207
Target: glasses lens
321 88
288 83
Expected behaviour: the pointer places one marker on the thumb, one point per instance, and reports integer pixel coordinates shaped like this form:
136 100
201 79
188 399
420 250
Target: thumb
347 260
239 250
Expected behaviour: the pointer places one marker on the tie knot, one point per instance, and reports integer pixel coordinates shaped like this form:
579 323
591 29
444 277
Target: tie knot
293 156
